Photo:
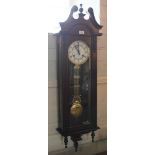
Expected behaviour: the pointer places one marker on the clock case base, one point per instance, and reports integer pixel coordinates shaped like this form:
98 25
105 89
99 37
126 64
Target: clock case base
76 136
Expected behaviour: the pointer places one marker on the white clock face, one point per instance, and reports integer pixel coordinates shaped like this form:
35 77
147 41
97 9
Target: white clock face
78 52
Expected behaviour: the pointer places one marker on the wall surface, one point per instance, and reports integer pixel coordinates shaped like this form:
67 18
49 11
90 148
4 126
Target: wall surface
55 140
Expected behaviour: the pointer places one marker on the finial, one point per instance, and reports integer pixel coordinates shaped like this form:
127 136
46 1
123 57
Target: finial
81 15
81 9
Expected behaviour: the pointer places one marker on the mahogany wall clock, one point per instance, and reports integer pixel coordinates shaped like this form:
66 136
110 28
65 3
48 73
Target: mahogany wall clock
77 76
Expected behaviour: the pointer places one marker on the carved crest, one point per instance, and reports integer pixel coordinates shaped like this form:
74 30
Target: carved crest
90 23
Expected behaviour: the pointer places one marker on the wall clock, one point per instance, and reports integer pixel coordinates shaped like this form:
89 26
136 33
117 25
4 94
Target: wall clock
77 76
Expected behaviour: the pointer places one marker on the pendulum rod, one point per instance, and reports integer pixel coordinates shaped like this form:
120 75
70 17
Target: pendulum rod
76 107
76 82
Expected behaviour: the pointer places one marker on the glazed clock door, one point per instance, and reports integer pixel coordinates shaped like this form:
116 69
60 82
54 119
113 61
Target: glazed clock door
79 88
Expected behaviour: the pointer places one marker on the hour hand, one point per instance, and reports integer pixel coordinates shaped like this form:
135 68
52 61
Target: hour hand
83 56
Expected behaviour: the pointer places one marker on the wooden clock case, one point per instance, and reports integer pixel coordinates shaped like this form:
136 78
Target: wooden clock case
72 30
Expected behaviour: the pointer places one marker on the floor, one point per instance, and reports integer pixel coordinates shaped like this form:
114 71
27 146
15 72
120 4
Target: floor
102 153
96 148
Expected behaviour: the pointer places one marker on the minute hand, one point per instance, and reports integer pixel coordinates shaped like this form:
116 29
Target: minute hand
77 48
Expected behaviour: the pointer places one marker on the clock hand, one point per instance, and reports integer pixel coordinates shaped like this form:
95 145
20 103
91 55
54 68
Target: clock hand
78 52
77 48
83 56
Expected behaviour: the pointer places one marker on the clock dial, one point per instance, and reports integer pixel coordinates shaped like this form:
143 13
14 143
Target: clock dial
78 52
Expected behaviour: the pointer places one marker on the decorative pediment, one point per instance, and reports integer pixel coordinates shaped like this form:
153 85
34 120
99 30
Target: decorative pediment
91 24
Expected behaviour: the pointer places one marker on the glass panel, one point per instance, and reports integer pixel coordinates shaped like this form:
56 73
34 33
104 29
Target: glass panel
84 81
